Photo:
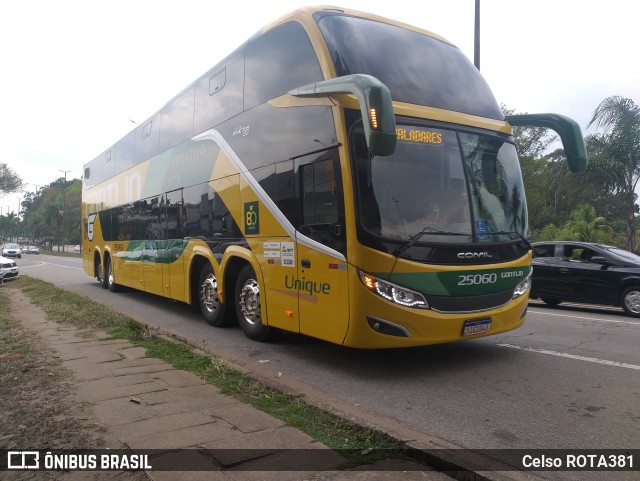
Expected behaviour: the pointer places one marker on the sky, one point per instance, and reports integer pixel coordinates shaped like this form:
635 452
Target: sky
77 75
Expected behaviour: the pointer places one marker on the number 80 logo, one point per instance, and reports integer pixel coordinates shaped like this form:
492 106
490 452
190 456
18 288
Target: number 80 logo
251 218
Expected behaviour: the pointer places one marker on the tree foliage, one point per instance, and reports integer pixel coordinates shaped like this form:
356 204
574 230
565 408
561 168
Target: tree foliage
52 214
9 181
616 153
556 196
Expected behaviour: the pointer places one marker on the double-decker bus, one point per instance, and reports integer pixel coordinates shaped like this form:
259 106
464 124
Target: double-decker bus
339 175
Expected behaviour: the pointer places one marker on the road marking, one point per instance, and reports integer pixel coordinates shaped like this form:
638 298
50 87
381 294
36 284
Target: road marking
574 356
582 317
42 263
35 265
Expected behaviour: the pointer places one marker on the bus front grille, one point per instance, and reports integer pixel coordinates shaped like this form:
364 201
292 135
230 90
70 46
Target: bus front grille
448 304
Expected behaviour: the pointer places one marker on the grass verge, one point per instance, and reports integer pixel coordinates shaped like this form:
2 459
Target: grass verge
358 444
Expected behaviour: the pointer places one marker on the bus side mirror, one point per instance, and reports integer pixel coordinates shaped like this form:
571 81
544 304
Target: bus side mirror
568 130
375 105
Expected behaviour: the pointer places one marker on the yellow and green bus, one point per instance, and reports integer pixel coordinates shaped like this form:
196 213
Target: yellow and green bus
339 175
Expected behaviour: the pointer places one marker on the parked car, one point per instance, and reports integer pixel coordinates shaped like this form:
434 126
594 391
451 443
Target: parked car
11 250
77 248
8 269
33 250
586 273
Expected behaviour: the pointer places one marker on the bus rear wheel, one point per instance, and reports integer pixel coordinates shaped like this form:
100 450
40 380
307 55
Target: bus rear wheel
111 284
101 278
213 310
248 307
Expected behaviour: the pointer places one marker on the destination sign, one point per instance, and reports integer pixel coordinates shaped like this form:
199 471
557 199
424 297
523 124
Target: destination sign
419 136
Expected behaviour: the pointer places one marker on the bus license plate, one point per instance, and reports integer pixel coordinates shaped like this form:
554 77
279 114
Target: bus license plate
476 326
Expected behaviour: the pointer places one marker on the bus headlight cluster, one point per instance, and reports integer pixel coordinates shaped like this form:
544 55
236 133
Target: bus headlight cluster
522 287
394 293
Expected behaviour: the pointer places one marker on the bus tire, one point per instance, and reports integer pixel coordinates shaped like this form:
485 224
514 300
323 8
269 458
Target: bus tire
212 309
110 279
248 307
100 275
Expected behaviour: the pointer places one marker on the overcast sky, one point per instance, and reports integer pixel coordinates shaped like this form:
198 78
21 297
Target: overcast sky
75 74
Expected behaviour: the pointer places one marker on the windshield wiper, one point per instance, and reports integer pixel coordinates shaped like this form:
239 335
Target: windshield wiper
416 237
522 238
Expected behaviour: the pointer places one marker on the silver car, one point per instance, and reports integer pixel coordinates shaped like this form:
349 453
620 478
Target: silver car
8 269
11 250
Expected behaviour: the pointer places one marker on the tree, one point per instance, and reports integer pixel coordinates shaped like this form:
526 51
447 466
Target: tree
615 154
54 212
586 226
12 223
9 181
530 142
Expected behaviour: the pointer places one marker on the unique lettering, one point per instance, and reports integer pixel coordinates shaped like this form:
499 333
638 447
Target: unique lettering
310 287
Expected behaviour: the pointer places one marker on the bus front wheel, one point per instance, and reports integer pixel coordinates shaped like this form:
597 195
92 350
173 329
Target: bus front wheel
213 310
248 307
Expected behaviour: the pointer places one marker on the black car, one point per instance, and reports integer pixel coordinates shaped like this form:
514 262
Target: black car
587 273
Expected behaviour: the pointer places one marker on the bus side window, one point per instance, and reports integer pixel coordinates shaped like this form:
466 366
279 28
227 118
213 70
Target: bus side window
285 192
322 206
175 215
155 218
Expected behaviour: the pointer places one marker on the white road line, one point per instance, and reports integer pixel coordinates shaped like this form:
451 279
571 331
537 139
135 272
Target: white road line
574 356
546 313
50 264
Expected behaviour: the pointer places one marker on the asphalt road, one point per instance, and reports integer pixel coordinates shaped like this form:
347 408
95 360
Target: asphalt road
568 379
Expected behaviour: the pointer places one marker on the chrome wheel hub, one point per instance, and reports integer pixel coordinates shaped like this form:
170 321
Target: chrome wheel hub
250 302
209 293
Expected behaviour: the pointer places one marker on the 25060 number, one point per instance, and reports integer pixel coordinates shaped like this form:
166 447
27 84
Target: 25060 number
476 279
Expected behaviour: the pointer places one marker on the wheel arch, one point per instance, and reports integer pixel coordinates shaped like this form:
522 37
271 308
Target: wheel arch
234 259
99 256
97 261
227 270
626 283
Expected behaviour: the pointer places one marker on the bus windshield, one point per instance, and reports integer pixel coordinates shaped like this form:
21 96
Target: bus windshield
434 73
442 186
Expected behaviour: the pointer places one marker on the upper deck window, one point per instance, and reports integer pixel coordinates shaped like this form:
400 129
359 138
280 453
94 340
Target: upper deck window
278 61
416 68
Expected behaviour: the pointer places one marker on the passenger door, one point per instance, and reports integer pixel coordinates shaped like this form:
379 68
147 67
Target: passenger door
322 280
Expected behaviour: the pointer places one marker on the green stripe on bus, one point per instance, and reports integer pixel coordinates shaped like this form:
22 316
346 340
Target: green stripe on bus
458 283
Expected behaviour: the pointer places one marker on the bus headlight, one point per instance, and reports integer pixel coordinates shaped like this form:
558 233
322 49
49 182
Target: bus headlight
394 293
522 287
